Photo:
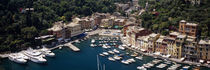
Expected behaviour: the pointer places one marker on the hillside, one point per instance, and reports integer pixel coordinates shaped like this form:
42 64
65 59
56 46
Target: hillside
163 15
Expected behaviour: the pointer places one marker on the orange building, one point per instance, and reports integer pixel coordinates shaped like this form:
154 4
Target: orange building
188 28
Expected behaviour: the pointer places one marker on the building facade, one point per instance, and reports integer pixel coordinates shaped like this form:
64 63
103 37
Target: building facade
188 28
189 49
203 50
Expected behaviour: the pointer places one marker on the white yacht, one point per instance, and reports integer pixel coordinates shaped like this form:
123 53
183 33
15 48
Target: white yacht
38 59
35 56
111 59
139 57
116 51
131 60
111 52
141 68
47 52
101 54
104 46
92 45
92 41
186 67
124 62
17 59
117 57
161 65
105 53
20 54
122 48
108 46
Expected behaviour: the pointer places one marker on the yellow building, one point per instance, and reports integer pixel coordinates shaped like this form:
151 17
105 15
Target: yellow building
151 42
160 45
204 50
179 42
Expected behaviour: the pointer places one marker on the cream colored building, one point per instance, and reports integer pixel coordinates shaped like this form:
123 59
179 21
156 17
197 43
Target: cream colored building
75 29
203 50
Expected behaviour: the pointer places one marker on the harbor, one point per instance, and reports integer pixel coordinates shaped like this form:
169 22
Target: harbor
116 59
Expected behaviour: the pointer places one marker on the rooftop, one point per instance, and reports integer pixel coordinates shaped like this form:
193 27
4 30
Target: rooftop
57 26
183 21
175 33
204 42
72 24
153 35
160 40
181 36
120 20
192 24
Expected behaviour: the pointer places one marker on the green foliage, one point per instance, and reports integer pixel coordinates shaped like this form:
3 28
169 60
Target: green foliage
18 28
172 11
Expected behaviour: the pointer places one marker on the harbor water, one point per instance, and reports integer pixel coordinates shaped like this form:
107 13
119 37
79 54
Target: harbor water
86 59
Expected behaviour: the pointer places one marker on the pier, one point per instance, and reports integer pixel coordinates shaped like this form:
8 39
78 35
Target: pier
71 46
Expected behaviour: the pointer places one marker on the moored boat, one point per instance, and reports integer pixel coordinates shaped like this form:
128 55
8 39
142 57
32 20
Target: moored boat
17 59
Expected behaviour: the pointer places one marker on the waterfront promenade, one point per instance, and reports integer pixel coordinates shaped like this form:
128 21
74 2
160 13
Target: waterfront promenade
71 46
171 59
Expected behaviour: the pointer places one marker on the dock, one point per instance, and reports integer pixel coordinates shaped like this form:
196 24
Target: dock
71 46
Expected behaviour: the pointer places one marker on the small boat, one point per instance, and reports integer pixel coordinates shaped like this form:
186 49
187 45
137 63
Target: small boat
105 53
104 46
92 41
131 60
125 62
186 67
101 54
161 66
60 47
108 46
134 54
122 48
139 57
117 57
141 68
92 45
111 59
116 51
111 52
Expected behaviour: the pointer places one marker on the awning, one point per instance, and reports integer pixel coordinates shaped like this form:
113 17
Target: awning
201 61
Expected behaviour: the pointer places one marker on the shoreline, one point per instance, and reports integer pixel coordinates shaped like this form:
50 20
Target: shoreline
170 59
135 50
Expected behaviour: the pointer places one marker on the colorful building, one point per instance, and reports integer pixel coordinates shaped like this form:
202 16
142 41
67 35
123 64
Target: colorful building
189 49
203 50
188 28
151 42
57 30
161 45
179 42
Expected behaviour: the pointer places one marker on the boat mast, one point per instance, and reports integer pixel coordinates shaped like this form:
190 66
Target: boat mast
98 62
104 67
